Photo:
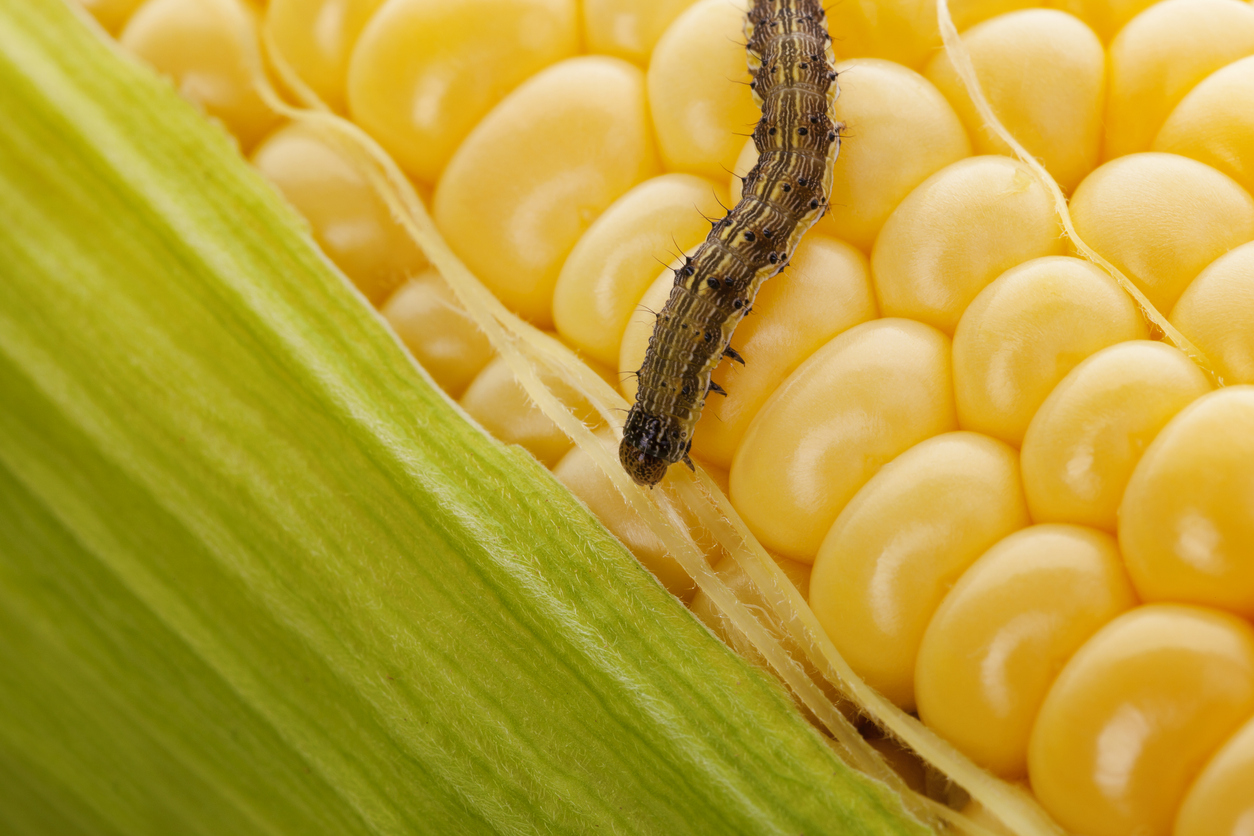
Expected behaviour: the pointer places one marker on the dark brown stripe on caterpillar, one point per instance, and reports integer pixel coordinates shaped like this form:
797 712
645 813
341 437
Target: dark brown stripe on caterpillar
794 82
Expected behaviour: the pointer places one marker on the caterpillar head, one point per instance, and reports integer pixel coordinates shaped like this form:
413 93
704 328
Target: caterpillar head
645 468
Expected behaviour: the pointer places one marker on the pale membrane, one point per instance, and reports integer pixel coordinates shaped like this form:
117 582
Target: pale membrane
424 72
1085 440
1005 631
498 402
1221 800
628 28
903 31
1160 56
316 37
616 260
204 46
1104 17
901 131
1026 331
443 338
1135 715
1216 312
902 542
1214 123
699 89
825 291
111 14
960 229
1044 73
350 221
856 404
1185 522
1161 218
538 170
585 479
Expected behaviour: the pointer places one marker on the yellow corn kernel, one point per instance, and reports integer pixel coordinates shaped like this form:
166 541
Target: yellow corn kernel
111 14
585 479
498 402
316 39
1185 522
1214 123
1161 218
1220 800
1005 631
1159 56
1136 713
538 170
886 108
1044 73
961 228
1104 17
903 30
204 46
628 28
617 259
1085 440
424 72
857 403
1216 312
351 222
1026 331
825 291
902 542
699 89
438 332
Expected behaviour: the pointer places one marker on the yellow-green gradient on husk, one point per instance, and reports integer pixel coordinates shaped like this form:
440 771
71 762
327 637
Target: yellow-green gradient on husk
257 575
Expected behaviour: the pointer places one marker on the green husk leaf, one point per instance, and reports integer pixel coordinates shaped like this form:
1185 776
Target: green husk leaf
257 575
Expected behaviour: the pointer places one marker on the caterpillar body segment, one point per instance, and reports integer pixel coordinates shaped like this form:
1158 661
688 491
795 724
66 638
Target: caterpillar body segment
794 83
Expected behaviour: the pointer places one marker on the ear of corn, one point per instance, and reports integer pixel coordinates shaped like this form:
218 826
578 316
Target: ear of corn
258 576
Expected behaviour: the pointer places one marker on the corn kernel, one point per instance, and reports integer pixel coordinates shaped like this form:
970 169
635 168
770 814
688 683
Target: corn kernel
316 39
1044 73
1185 521
617 259
961 228
538 170
1214 123
1006 629
1161 218
1136 713
1104 17
424 72
902 542
628 28
1217 314
1085 440
1220 800
1160 56
350 221
203 45
1026 331
858 402
438 332
699 89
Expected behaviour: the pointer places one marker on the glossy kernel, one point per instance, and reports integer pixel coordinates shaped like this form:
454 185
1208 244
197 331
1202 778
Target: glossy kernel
350 221
1005 631
1216 312
1214 123
316 38
1185 522
616 260
538 170
902 542
1104 17
857 403
1085 440
1135 715
1026 331
628 28
1221 800
1161 218
1044 73
961 228
424 72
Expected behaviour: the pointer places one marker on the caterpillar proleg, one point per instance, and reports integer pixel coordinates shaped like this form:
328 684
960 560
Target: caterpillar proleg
794 83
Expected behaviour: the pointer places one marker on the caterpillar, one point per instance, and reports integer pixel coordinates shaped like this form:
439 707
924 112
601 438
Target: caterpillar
794 83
